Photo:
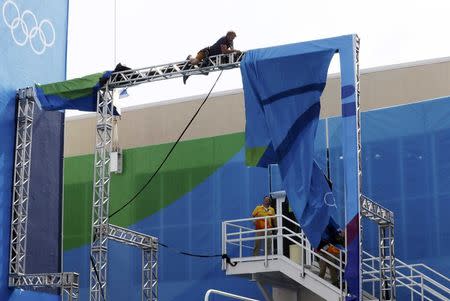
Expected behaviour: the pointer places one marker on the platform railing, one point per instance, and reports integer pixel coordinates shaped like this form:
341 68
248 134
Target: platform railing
418 285
225 294
239 237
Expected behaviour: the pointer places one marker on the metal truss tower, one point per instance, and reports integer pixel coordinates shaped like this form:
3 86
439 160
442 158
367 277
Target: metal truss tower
102 230
67 282
385 220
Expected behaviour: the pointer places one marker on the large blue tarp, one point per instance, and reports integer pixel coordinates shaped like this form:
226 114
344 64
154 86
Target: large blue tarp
282 89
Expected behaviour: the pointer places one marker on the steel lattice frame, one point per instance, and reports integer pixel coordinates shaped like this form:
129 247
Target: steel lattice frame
387 261
373 211
101 229
22 167
67 282
358 152
150 273
149 248
100 203
131 238
129 78
386 244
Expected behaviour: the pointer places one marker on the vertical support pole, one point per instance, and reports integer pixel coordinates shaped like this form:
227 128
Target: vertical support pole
393 275
224 244
100 202
154 271
240 242
150 272
70 293
359 159
382 259
146 274
350 91
22 164
387 261
280 200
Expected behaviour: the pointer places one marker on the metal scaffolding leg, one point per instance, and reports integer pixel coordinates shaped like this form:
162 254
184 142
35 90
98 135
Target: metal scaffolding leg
22 164
149 246
70 293
70 288
100 202
67 282
103 146
149 274
101 229
387 261
385 220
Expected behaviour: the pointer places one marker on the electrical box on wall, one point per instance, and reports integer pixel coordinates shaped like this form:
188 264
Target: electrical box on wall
116 162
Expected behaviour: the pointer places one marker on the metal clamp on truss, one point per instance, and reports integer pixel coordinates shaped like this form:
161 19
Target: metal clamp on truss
68 282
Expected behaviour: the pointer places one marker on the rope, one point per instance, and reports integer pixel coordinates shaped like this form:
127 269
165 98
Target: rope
169 153
223 256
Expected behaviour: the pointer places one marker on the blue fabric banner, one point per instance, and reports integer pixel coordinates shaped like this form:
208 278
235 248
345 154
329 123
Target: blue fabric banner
282 89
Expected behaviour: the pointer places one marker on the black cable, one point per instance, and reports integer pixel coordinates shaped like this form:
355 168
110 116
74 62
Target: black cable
223 256
187 253
170 151
98 277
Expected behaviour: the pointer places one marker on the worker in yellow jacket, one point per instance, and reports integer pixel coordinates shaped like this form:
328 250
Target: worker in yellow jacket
263 211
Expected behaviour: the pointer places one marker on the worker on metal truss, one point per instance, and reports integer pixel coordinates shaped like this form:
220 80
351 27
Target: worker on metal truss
224 45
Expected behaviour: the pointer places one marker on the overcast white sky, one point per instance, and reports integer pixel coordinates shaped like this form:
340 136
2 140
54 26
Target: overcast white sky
142 33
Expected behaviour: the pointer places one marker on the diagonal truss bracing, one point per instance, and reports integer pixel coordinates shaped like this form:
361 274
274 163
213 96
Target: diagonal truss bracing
132 238
101 229
385 220
129 78
21 184
67 282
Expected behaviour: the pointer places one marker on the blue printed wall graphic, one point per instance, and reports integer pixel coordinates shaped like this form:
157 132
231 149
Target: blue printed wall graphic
33 50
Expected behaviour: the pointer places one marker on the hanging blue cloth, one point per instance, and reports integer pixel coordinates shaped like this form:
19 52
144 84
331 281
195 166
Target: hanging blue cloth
282 89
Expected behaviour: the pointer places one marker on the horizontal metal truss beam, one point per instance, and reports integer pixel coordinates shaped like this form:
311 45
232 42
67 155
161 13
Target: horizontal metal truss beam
375 212
128 78
132 238
54 280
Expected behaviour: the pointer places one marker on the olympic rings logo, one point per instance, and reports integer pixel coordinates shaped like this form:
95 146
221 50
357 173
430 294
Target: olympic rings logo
26 29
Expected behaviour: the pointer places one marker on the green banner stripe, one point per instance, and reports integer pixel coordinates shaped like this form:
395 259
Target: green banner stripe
74 88
189 165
